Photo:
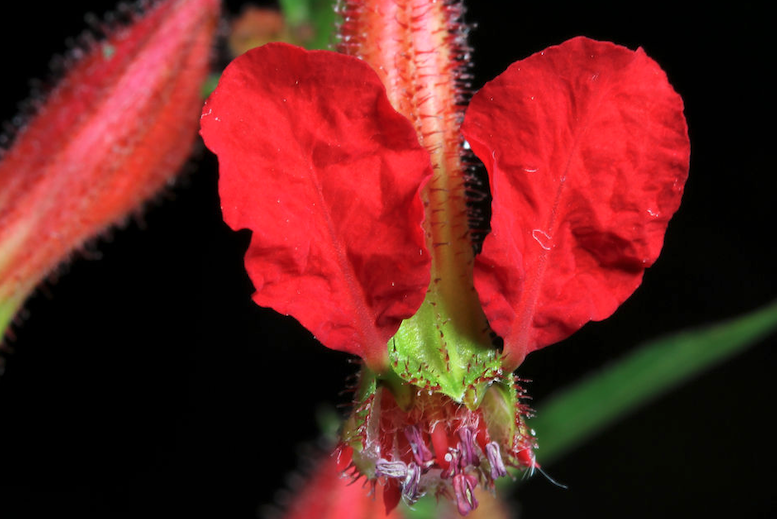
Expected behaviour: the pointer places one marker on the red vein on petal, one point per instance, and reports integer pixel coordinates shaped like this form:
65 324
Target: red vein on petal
374 344
522 324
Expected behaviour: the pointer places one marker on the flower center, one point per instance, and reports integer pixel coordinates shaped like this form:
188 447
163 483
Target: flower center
426 443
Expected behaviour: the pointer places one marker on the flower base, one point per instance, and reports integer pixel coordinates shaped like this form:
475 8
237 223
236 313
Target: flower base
417 441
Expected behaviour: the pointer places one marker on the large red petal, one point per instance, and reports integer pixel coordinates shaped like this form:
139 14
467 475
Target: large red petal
588 151
326 174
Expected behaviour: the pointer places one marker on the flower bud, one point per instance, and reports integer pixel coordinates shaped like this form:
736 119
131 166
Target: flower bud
115 129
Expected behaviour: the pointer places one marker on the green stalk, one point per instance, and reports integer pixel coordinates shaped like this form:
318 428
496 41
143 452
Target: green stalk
651 370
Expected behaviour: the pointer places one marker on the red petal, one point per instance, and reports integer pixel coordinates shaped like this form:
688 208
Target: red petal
588 151
326 174
113 132
392 494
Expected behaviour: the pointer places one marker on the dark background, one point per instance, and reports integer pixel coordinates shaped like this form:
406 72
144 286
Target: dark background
145 383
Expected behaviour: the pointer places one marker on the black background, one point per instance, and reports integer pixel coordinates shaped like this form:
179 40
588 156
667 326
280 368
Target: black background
146 383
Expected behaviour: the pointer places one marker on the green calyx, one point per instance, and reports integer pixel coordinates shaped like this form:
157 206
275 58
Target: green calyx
432 354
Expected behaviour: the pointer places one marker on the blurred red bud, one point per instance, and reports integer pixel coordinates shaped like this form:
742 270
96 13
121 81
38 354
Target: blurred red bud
329 494
116 128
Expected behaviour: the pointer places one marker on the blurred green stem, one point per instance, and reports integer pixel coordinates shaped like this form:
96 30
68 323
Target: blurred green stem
317 14
651 370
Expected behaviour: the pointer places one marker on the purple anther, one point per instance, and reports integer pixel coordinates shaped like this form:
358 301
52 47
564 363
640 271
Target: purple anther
467 447
421 452
391 469
495 460
412 480
464 489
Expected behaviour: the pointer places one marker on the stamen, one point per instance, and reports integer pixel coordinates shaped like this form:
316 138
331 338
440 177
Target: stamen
467 448
410 486
421 452
391 469
464 489
495 460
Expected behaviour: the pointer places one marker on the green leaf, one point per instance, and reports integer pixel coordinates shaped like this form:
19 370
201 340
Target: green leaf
318 14
651 370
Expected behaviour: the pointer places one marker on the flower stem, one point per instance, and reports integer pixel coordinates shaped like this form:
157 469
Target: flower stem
419 50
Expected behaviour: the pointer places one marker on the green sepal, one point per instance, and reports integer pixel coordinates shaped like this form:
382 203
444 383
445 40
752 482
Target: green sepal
362 423
354 426
498 406
444 359
361 429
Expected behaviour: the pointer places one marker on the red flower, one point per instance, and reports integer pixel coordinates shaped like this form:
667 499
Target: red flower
116 128
587 151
